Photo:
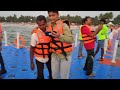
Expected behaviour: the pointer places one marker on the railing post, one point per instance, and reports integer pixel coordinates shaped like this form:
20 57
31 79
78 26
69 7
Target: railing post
76 38
115 51
18 44
106 46
5 36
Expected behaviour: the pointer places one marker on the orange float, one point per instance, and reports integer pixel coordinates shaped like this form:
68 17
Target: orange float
22 44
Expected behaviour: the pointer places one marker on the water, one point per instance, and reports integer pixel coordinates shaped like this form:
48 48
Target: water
12 30
23 29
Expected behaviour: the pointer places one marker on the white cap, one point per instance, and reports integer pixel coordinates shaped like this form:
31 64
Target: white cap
110 23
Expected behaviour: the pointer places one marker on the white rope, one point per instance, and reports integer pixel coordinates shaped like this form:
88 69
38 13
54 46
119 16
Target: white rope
25 35
11 45
12 33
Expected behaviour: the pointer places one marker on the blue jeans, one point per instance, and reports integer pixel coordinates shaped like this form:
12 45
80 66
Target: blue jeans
101 43
80 48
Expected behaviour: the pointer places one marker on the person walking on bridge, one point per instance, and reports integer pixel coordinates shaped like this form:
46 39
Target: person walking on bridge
102 36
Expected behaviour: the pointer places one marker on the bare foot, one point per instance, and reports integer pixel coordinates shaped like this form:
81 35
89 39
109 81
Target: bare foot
100 59
91 76
80 56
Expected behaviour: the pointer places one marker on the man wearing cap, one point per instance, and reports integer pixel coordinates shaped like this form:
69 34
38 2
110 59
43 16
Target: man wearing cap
102 36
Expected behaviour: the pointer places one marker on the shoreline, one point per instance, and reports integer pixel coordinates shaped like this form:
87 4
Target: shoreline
31 24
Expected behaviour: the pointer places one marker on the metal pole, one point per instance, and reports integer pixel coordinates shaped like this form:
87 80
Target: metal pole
18 35
76 38
115 51
106 46
5 36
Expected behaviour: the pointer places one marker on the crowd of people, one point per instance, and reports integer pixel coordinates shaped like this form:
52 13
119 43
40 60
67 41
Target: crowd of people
51 44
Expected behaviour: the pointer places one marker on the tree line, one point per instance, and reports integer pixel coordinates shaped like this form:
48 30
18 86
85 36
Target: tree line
73 19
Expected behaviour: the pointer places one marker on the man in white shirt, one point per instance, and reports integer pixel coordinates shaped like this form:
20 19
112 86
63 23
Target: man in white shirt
40 48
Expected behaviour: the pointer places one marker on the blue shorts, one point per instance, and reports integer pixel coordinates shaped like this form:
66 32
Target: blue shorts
101 43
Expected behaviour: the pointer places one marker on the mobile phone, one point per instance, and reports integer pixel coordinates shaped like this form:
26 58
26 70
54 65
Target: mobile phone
48 33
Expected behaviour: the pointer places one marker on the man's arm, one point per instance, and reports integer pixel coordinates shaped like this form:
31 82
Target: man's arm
31 54
33 44
100 26
67 37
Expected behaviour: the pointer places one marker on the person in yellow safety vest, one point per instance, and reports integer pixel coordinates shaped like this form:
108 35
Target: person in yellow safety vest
3 70
80 55
40 46
102 36
61 46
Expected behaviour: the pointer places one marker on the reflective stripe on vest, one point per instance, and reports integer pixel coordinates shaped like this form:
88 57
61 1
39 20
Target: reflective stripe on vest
80 36
43 45
88 39
63 45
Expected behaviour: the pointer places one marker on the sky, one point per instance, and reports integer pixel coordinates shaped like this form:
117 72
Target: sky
71 13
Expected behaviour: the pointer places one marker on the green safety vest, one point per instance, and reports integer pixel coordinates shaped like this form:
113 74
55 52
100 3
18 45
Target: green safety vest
80 34
103 34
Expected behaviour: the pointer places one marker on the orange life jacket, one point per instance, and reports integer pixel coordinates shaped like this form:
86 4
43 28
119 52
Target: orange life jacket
41 50
86 38
63 46
34 30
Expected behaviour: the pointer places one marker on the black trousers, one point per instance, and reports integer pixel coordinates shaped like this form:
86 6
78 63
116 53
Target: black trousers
2 62
40 68
89 61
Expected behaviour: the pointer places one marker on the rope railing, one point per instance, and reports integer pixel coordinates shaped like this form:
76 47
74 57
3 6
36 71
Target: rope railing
10 41
7 37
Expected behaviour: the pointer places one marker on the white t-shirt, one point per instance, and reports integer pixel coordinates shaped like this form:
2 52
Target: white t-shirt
34 41
113 33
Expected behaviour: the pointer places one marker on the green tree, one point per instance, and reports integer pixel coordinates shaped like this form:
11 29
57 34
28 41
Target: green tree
117 19
108 15
21 18
9 19
14 18
2 19
95 20
100 16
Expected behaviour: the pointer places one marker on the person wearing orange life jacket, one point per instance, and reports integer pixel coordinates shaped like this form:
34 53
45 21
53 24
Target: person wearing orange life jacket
40 45
60 46
88 37
3 70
